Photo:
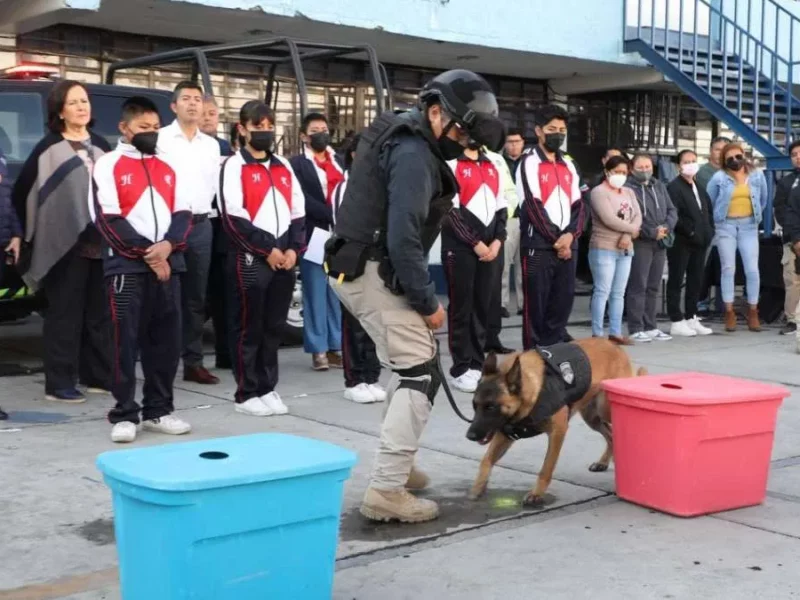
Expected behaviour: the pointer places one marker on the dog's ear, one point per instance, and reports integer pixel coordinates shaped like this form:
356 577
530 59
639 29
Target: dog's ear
490 364
514 378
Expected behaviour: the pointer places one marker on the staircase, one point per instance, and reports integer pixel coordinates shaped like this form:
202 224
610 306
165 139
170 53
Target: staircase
733 57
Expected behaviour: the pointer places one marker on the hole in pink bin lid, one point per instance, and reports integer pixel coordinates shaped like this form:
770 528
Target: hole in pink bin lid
671 386
213 455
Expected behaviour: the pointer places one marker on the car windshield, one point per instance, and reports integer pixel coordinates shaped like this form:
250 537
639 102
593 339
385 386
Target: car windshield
21 124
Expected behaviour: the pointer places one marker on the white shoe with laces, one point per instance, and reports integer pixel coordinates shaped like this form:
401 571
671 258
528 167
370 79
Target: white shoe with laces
254 407
274 402
466 383
124 432
698 327
682 329
169 424
377 391
475 374
640 337
658 336
360 394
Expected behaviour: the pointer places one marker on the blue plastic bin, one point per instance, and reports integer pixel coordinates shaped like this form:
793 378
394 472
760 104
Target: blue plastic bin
238 518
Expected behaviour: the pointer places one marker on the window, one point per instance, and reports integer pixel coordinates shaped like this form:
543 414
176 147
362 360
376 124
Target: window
21 124
106 112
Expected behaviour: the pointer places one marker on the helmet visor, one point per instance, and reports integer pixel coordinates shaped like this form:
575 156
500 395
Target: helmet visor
486 129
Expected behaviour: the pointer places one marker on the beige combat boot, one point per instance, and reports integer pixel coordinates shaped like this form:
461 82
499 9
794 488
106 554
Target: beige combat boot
417 480
397 505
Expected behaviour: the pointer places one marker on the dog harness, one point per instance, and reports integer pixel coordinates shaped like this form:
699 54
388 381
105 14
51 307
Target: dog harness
567 377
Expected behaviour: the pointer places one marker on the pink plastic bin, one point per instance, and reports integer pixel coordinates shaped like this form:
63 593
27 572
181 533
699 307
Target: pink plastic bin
691 443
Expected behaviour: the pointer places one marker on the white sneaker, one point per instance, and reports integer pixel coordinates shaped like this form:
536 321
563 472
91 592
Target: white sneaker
697 326
124 432
658 336
640 337
359 394
466 383
274 402
682 329
475 374
377 391
254 407
169 424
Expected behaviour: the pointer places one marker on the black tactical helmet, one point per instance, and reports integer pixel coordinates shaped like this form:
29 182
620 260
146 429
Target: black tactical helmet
468 98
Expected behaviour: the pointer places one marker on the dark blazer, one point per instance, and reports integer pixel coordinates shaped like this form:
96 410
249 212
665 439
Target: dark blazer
695 227
318 212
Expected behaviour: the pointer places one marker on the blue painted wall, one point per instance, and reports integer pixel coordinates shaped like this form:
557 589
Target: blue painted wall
588 29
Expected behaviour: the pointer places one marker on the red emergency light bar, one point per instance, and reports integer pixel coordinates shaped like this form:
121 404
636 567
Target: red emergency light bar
30 72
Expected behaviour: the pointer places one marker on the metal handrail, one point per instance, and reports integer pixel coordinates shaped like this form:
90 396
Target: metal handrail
765 61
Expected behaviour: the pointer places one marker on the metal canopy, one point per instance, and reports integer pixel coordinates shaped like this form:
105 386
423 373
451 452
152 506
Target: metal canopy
272 52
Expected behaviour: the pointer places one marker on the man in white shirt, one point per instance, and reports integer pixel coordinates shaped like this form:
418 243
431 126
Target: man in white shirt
196 158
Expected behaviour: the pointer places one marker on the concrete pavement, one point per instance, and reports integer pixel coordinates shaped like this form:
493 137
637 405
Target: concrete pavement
57 532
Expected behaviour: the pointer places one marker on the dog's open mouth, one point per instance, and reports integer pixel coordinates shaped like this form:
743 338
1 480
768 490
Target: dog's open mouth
486 439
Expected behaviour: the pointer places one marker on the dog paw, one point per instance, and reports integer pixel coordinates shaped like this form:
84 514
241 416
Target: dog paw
533 500
598 467
477 492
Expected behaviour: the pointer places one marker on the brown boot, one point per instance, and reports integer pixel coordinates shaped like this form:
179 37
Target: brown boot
730 318
417 480
753 324
397 505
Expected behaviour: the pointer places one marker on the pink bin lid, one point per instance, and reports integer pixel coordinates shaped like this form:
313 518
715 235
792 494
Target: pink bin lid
693 389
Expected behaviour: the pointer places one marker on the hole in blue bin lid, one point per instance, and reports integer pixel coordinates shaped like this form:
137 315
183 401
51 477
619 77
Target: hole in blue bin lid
671 386
213 455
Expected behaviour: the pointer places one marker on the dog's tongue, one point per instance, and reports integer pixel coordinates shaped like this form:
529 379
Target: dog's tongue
485 440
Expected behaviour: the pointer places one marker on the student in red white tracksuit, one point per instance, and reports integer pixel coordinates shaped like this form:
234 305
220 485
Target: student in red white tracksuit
144 217
264 215
472 241
362 369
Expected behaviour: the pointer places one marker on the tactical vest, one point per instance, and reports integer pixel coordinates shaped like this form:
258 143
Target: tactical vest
567 378
363 215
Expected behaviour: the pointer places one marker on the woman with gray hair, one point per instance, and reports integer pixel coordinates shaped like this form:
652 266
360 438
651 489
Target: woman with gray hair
650 250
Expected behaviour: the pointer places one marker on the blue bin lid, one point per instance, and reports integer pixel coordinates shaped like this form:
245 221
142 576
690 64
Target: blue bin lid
224 462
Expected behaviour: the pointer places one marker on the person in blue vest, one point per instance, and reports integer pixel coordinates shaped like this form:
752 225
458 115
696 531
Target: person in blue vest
10 228
319 172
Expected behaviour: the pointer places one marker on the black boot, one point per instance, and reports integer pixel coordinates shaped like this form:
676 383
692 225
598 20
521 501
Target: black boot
3 415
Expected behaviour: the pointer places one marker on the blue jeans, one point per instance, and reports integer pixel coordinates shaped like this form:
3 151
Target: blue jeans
322 313
741 234
610 271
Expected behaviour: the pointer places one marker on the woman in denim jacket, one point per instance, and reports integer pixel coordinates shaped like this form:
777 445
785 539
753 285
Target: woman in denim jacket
738 195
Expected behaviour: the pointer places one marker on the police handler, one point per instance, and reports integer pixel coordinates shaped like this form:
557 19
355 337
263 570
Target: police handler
399 190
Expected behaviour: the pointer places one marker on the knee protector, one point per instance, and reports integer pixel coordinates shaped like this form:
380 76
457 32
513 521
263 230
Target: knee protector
429 386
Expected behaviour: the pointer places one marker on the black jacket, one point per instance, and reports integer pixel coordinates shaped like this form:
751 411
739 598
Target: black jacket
398 192
318 212
695 227
782 191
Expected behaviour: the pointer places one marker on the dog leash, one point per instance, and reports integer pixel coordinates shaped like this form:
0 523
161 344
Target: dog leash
446 387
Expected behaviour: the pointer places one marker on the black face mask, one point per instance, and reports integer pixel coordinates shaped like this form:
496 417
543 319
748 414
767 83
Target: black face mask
450 149
319 141
734 164
145 142
554 141
262 140
473 145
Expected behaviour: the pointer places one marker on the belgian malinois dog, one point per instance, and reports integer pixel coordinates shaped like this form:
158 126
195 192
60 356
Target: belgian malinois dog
508 393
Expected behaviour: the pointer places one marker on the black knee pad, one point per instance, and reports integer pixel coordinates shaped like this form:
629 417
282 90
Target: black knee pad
428 387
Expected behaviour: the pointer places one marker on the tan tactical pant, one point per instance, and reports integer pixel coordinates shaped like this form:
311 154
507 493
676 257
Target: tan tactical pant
402 341
791 281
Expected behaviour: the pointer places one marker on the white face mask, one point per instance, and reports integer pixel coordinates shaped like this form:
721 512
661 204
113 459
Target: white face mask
617 180
690 169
